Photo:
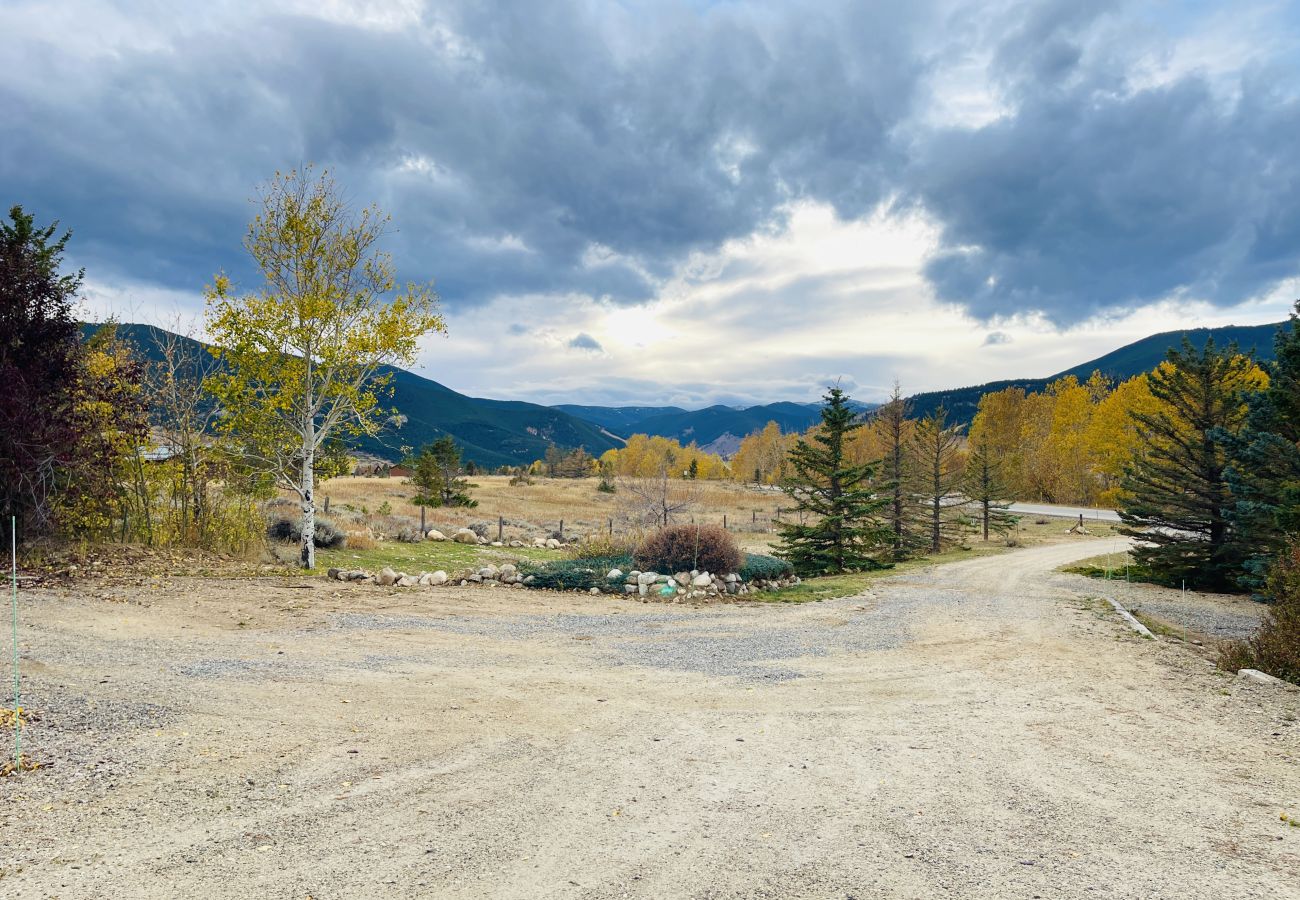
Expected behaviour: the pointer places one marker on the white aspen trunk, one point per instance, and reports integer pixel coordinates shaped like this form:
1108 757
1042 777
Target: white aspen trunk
306 490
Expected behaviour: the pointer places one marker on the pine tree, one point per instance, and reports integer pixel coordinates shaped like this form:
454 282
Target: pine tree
436 476
1263 470
842 529
902 512
1176 494
41 366
987 488
936 447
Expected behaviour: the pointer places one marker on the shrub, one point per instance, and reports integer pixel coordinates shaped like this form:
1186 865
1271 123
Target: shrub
1275 647
768 568
604 546
328 535
577 574
680 548
361 540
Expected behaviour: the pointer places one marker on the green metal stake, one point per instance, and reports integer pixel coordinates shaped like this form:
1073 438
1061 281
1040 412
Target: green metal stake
18 720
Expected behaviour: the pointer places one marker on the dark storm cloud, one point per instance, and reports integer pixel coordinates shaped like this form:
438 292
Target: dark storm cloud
506 139
556 148
1095 194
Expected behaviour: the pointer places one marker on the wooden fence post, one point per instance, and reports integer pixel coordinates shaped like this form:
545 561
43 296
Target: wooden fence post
561 529
724 521
423 529
611 527
327 507
501 527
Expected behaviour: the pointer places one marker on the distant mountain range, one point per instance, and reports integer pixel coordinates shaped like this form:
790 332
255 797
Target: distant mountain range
1131 359
506 432
490 432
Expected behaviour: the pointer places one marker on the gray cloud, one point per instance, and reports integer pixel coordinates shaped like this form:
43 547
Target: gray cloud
585 341
506 139
994 338
1099 194
510 139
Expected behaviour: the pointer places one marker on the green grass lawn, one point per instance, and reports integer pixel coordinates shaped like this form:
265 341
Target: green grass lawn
428 556
831 587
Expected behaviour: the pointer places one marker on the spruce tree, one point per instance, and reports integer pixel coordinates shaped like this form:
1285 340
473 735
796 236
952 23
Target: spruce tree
936 447
1263 469
986 487
436 476
902 512
840 528
1176 494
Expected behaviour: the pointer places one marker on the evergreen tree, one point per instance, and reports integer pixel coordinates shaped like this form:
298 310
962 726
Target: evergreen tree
936 448
843 531
436 476
693 472
1176 494
987 488
902 513
1263 470
41 368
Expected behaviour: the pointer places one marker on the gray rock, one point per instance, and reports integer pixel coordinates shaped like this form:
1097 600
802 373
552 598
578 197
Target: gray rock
334 574
701 580
439 577
614 575
552 544
436 535
646 578
1255 676
407 581
488 572
386 576
508 569
465 536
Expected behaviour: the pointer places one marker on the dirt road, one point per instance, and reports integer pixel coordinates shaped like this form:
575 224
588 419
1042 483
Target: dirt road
975 730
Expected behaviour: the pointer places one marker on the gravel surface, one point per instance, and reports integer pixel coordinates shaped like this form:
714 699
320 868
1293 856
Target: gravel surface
979 729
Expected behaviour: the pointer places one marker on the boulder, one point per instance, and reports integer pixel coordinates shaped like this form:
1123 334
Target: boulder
629 588
436 535
701 580
439 577
465 536
334 575
683 578
594 591
614 575
1255 676
732 578
407 581
516 543
530 579
358 575
387 576
552 544
539 542
646 578
497 544
488 572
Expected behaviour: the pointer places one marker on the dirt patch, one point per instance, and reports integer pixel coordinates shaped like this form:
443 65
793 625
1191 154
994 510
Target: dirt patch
974 729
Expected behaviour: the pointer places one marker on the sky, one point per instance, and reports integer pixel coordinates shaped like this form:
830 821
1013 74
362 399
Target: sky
690 202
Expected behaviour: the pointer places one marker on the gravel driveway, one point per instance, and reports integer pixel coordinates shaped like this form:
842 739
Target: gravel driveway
980 729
